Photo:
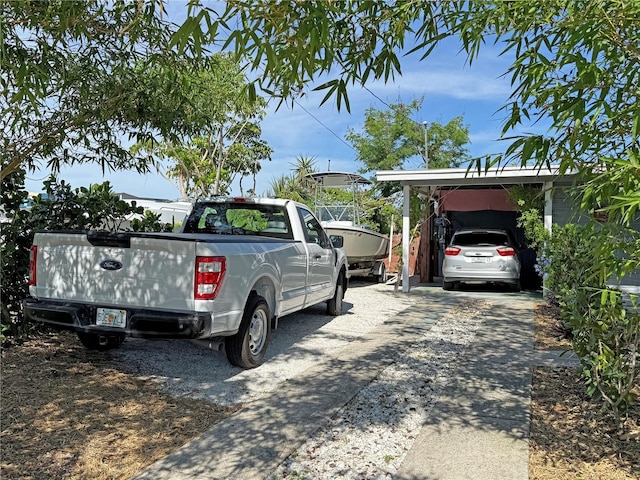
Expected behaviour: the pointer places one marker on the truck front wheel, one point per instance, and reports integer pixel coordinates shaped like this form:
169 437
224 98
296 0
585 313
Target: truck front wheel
246 349
94 341
334 306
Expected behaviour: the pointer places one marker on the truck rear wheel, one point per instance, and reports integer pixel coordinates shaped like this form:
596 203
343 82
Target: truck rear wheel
246 349
102 343
334 306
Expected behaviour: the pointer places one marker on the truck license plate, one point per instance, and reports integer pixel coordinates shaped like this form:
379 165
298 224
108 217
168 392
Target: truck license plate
110 317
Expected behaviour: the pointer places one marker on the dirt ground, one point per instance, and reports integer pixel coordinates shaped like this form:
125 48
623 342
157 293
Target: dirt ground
571 439
68 413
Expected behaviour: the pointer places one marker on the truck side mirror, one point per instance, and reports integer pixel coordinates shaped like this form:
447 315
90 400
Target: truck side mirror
337 241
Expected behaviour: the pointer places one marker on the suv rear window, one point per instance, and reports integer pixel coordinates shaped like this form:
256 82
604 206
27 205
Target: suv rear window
469 239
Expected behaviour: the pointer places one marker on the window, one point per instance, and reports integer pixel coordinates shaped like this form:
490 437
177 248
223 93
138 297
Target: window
469 239
314 233
240 218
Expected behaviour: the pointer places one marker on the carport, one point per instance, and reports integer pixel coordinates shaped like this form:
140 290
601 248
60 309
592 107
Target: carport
430 181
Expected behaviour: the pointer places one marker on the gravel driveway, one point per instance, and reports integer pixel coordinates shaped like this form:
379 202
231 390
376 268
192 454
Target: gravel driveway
370 435
301 339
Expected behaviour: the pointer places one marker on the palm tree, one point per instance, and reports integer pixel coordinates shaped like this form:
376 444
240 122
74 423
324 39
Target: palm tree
296 186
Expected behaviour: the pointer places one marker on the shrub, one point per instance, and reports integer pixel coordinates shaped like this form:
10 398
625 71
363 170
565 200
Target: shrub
576 263
14 253
606 338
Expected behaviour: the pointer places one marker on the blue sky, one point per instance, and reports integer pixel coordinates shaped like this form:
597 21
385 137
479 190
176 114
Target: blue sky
450 88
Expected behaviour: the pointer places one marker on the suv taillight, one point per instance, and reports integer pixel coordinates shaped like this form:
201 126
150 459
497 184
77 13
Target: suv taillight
33 256
506 251
453 251
209 274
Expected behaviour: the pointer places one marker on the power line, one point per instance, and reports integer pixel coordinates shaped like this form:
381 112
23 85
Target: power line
377 97
338 136
389 106
320 122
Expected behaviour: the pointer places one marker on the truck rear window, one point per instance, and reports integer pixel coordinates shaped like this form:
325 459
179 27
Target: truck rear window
239 219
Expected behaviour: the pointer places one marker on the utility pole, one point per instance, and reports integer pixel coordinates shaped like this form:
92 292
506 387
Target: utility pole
426 144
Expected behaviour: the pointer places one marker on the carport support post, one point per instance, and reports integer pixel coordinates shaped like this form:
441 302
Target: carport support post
548 206
406 241
548 221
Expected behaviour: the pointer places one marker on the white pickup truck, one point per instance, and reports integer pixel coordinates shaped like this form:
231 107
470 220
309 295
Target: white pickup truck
236 266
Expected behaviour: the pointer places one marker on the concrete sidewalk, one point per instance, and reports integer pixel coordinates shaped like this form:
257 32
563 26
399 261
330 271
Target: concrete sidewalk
478 429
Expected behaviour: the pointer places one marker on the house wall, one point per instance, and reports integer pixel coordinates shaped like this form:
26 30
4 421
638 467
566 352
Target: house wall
567 210
634 279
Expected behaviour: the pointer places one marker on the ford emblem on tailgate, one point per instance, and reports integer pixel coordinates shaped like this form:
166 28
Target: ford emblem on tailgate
111 265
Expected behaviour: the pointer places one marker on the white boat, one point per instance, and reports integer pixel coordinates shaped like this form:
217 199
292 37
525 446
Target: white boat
364 247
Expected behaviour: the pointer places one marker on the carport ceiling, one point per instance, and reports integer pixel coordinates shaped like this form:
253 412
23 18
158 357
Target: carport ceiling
456 177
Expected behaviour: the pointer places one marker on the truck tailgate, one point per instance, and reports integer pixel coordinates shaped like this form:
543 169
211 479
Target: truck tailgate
153 271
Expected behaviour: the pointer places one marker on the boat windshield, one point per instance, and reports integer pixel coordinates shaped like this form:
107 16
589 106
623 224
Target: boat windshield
348 210
337 213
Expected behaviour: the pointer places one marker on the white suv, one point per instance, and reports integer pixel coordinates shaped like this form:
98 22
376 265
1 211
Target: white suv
481 255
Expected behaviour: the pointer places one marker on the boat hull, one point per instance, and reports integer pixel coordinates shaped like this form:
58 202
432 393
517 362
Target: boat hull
360 244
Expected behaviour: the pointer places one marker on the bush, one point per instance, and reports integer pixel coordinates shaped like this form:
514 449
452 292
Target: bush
576 263
93 208
14 254
606 338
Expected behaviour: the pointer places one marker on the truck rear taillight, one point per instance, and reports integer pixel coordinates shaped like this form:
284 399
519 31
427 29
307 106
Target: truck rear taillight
209 274
33 256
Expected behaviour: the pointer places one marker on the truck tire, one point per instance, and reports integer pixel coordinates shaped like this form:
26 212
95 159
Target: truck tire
334 306
102 343
246 349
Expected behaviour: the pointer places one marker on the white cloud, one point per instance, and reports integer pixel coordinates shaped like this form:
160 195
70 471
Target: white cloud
461 85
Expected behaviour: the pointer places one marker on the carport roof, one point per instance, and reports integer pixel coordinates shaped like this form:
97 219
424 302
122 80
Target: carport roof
450 177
